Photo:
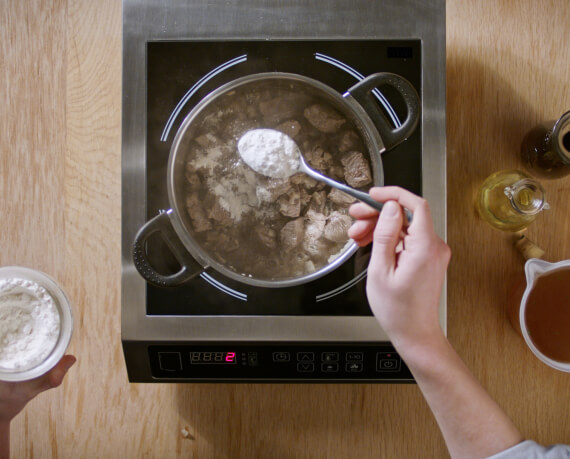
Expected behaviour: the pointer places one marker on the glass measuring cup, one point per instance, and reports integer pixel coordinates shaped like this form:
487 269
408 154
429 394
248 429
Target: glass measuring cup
540 311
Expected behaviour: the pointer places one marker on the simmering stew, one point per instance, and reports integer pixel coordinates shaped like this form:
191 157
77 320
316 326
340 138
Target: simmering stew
264 227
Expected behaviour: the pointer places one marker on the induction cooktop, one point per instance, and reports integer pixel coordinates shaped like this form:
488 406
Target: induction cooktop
215 329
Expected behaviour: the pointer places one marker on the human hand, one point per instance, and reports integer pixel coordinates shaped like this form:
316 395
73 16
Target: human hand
15 395
403 286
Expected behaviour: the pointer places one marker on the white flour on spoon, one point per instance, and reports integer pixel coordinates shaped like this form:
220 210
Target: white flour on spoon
269 152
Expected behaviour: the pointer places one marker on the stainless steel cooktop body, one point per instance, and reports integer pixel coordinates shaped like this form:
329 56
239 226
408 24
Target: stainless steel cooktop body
161 341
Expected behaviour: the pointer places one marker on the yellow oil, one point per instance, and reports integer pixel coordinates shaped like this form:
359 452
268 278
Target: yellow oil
525 198
496 208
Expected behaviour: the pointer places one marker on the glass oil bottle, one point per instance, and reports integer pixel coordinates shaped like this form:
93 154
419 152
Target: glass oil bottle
545 149
510 200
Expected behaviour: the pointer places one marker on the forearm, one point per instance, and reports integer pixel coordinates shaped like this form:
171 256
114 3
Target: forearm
472 424
403 288
4 440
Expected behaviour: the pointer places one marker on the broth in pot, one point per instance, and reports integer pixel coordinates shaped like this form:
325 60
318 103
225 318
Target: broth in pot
271 228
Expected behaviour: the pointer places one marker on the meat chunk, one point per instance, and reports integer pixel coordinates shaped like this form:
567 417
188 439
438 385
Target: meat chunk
356 169
305 197
314 229
308 183
336 172
348 141
197 214
207 140
318 158
324 118
337 227
291 128
291 235
270 189
267 236
290 204
318 201
216 118
339 197
220 215
193 179
309 266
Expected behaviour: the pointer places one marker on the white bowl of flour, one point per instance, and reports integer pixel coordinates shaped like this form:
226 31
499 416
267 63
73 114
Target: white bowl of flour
35 323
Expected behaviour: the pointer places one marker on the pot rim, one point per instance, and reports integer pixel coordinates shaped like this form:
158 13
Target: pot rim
360 119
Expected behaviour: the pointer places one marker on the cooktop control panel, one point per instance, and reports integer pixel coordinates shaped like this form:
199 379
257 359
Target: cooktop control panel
277 363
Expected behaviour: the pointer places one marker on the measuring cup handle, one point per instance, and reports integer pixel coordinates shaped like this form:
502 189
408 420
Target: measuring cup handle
362 92
189 267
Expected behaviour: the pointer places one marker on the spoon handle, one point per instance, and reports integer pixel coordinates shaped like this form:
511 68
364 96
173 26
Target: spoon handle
360 195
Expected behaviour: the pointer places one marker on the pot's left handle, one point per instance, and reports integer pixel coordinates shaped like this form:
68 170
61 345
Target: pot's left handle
391 135
189 267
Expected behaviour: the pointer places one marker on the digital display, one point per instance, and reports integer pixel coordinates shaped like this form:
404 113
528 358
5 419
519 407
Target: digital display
214 357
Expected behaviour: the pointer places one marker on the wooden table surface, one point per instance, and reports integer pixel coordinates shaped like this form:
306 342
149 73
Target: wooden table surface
60 146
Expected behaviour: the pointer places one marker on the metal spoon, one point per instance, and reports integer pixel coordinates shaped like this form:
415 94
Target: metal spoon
258 148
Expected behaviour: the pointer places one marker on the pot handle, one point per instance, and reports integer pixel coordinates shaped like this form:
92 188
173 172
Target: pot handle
391 136
189 267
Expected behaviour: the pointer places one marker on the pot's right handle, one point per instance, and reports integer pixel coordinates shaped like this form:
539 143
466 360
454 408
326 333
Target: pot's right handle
189 267
362 92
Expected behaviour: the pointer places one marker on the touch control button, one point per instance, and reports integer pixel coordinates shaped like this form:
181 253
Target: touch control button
329 356
387 361
329 367
354 367
281 356
351 356
305 367
305 356
252 359
170 361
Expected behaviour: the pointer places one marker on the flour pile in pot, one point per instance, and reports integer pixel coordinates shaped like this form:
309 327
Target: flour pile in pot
271 228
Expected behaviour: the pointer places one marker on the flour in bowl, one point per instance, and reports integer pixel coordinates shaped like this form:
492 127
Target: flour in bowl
29 324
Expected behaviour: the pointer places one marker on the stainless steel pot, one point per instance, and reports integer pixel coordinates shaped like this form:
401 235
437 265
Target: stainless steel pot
357 104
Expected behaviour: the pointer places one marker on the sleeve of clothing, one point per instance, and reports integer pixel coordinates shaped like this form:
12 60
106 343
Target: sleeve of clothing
529 449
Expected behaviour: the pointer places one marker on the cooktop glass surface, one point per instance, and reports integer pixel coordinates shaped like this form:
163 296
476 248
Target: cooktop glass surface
181 73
